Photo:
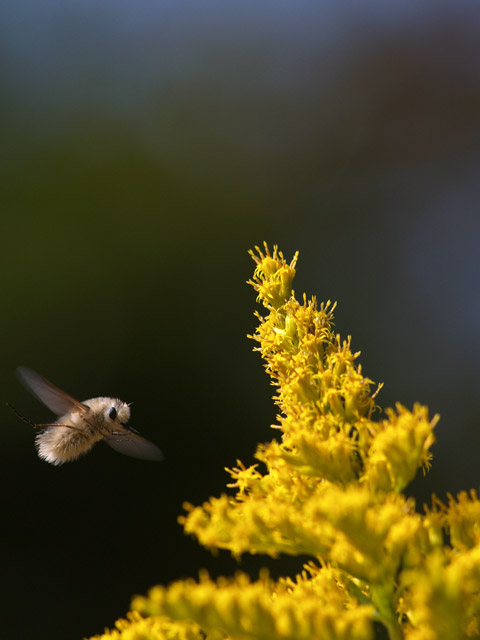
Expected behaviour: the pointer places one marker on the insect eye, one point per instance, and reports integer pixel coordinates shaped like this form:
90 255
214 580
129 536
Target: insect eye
112 413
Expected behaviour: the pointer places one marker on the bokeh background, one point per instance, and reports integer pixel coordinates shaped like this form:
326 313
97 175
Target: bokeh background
146 146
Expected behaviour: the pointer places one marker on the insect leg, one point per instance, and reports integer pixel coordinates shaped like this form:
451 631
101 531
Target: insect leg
39 426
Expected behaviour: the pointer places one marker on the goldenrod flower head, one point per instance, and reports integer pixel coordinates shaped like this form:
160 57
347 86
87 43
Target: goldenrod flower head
329 487
261 609
273 278
463 520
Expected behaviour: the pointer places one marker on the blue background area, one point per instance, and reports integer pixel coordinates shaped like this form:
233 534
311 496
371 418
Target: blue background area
145 147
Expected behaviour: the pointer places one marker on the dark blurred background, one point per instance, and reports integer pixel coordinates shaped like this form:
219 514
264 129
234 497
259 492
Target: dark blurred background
146 146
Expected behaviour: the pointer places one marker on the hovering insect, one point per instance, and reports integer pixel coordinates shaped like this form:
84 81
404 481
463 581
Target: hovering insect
82 424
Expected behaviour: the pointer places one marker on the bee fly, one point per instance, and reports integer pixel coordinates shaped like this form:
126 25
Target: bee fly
81 425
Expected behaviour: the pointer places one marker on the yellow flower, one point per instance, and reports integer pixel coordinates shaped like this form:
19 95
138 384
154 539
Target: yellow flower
239 608
463 520
273 278
330 488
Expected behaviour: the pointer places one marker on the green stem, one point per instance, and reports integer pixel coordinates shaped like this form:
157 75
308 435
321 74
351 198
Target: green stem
385 612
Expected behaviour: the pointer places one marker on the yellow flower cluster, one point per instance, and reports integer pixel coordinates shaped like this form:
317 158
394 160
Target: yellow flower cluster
330 488
240 608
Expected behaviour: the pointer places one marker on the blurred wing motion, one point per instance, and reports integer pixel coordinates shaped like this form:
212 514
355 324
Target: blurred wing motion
131 444
54 398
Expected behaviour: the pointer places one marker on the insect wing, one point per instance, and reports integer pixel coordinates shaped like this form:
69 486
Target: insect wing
54 398
131 444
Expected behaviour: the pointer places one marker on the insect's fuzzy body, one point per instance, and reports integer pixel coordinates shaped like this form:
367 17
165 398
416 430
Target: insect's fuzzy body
81 425
75 434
